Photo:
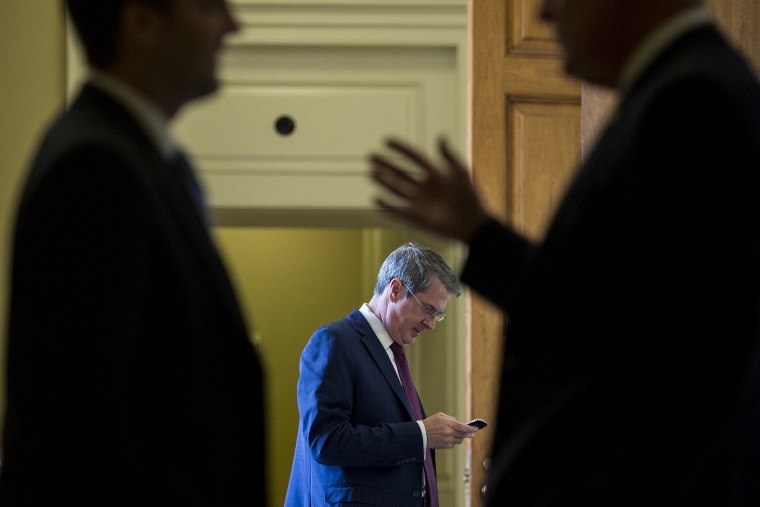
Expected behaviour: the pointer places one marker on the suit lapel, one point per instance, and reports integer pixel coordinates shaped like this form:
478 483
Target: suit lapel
379 356
186 216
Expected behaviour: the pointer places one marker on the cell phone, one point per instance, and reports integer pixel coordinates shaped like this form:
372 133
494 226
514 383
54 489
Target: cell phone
478 423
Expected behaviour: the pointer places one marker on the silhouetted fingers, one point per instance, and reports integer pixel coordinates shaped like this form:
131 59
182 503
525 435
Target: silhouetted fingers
393 178
448 155
396 210
386 206
412 154
395 182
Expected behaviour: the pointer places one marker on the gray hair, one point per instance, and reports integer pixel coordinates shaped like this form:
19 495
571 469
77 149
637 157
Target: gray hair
418 267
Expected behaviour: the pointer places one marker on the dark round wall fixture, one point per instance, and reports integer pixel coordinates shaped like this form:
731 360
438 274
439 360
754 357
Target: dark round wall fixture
285 125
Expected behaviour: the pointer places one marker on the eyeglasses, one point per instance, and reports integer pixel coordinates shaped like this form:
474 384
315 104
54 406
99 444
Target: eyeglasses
438 316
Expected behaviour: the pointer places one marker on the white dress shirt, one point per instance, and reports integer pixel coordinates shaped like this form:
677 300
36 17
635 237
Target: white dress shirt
148 116
386 341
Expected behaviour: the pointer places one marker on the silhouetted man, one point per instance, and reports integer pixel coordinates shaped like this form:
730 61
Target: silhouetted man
131 377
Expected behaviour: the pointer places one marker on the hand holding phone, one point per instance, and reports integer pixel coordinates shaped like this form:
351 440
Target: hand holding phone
478 423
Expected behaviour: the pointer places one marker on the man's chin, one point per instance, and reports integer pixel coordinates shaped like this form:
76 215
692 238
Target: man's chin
209 87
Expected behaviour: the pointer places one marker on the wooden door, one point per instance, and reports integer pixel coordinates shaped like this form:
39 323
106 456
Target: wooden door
526 134
529 125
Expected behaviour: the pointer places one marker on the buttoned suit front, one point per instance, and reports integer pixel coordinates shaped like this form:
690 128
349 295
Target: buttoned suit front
630 325
357 441
131 377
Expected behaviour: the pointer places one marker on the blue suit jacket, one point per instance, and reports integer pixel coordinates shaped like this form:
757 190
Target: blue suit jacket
357 440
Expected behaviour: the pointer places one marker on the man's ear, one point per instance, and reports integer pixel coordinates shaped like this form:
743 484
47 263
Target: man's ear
396 291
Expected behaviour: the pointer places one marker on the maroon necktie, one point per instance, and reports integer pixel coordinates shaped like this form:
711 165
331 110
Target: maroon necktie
414 404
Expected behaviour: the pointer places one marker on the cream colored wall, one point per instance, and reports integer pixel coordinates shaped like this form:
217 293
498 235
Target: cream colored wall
32 87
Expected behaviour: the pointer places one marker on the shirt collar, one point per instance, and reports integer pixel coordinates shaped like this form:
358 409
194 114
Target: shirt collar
150 118
657 41
385 339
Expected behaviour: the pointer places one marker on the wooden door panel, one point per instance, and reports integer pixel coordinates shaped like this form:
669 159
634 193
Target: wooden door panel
534 76
527 32
545 145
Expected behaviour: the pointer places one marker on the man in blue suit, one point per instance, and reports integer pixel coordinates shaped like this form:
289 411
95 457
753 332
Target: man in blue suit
363 438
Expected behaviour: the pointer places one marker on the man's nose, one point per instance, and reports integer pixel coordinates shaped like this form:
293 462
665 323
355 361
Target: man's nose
232 24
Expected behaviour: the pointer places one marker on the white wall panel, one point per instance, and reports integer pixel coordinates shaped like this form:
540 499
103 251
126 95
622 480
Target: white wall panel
349 74
332 122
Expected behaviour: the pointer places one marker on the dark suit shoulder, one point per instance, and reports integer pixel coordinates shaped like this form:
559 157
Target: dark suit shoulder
347 330
94 148
96 121
700 58
353 322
